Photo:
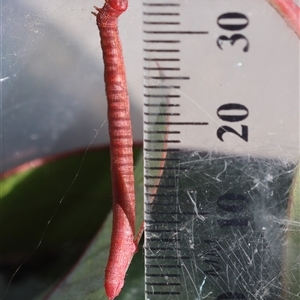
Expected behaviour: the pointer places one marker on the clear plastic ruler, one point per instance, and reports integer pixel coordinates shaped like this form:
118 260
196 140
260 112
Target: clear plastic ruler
221 106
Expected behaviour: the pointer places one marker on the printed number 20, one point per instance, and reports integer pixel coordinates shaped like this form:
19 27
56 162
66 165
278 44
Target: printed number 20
242 115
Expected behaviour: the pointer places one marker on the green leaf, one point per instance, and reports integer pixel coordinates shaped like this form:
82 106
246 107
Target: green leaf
291 270
73 193
85 281
49 213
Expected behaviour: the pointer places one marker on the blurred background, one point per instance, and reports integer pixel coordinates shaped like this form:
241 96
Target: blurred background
52 78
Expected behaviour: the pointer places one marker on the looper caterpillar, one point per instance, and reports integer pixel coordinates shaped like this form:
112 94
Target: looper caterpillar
123 244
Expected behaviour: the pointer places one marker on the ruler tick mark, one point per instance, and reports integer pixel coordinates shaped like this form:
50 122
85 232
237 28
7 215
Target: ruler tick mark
161 230
162 159
162 293
161 96
162 69
161 59
162 87
168 77
162 150
162 41
175 32
162 114
176 123
162 141
161 50
162 105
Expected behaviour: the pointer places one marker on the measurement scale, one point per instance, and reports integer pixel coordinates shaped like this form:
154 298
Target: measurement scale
221 123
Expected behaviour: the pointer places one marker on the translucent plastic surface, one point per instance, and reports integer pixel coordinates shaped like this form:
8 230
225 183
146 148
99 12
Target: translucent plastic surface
222 146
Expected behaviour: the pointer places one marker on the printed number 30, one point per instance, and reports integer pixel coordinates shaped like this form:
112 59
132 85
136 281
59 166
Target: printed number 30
233 21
